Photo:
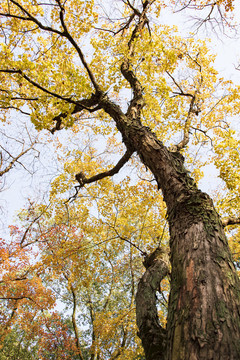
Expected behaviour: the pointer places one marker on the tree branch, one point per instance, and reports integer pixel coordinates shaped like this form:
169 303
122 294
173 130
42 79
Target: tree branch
129 242
14 160
135 11
32 18
40 87
80 177
84 104
231 221
64 33
137 102
187 125
74 323
182 93
67 35
193 107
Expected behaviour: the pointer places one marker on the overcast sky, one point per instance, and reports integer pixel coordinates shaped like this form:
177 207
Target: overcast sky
227 49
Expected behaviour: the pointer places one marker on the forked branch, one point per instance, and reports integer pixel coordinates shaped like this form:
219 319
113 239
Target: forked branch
14 160
194 108
91 105
27 16
137 102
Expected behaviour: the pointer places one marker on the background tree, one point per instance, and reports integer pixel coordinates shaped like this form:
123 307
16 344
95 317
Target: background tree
142 81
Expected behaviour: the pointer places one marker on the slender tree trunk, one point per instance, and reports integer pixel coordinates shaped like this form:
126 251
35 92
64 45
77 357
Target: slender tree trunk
151 333
204 305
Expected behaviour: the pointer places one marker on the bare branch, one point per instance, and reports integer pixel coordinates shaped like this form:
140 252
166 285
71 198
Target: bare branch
15 108
182 93
14 160
29 228
203 132
129 242
231 221
80 177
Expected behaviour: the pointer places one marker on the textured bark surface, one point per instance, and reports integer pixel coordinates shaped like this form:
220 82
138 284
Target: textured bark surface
153 336
204 304
203 315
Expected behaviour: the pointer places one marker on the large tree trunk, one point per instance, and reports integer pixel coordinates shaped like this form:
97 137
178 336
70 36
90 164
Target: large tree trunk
204 304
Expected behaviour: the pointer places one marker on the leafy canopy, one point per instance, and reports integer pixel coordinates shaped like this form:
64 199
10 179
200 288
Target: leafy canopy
83 247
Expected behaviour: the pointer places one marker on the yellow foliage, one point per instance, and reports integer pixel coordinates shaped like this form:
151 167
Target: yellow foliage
91 239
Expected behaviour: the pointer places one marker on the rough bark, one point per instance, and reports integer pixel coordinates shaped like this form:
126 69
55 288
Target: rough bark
204 306
152 334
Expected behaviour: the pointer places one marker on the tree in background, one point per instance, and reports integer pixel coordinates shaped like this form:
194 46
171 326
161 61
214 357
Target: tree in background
160 93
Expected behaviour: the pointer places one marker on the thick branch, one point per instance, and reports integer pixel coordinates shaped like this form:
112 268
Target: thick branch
231 221
137 102
139 27
92 104
132 79
135 11
152 334
80 177
83 180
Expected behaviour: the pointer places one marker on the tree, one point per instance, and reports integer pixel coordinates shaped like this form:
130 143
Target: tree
44 69
29 326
